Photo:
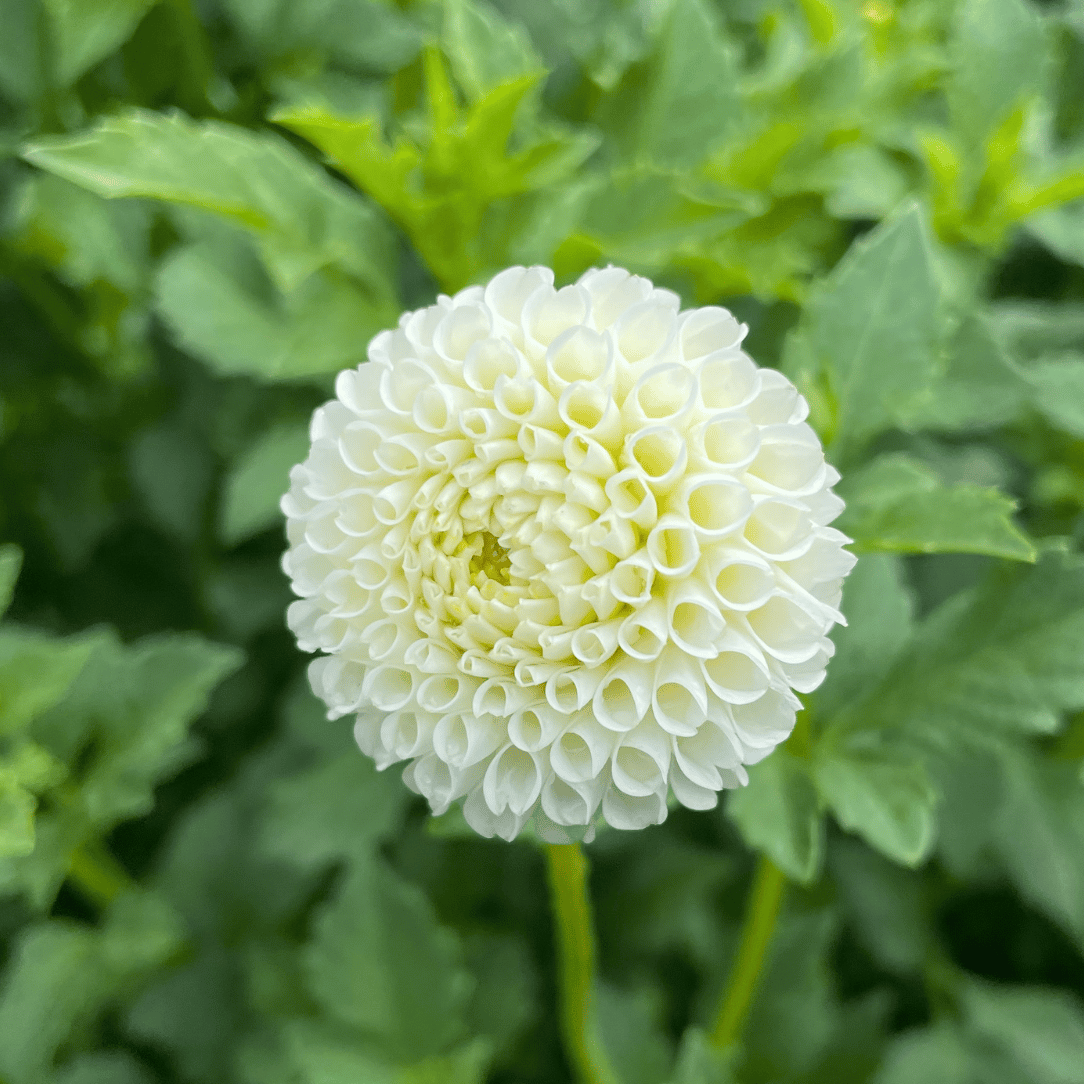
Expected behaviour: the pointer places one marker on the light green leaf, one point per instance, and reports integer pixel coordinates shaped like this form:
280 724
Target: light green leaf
779 813
25 772
303 220
999 55
1043 1030
1058 390
11 561
897 504
257 481
483 49
87 31
1061 229
685 105
321 327
36 671
882 797
379 962
867 341
1035 328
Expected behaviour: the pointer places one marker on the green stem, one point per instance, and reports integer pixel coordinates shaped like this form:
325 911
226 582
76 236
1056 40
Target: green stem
97 874
576 964
765 898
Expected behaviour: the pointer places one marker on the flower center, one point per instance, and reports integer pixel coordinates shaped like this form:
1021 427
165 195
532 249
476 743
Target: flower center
493 561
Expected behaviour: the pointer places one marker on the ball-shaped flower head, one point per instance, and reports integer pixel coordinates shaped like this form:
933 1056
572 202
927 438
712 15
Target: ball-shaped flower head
566 552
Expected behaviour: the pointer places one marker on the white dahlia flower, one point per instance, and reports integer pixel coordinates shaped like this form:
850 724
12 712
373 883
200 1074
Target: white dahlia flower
566 552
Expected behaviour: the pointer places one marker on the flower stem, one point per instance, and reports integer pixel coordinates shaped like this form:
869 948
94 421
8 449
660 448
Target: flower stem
576 964
97 874
765 898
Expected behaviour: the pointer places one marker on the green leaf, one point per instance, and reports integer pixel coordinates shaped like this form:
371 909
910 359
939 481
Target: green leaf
923 1055
336 810
62 976
632 1035
885 799
35 672
999 55
1008 657
698 1062
11 561
484 50
87 31
981 388
779 813
1043 1030
257 481
884 905
25 772
380 963
686 103
217 315
1035 328
1038 832
868 336
303 220
1058 390
319 1055
127 719
21 75
880 617
897 504
105 1067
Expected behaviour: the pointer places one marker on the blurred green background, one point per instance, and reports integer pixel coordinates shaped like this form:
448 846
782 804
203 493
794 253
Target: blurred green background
209 206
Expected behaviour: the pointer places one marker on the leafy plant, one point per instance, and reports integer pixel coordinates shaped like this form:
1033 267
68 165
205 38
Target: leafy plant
207 211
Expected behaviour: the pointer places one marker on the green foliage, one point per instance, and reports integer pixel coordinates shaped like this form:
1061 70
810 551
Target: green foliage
207 209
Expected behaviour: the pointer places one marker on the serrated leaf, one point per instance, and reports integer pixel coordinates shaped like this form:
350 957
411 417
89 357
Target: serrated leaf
128 716
25 772
1008 657
897 504
1058 391
62 975
885 799
257 481
11 561
87 31
869 333
779 813
303 220
379 962
36 671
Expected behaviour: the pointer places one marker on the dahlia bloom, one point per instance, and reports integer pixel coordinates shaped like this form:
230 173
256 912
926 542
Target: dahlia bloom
565 552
